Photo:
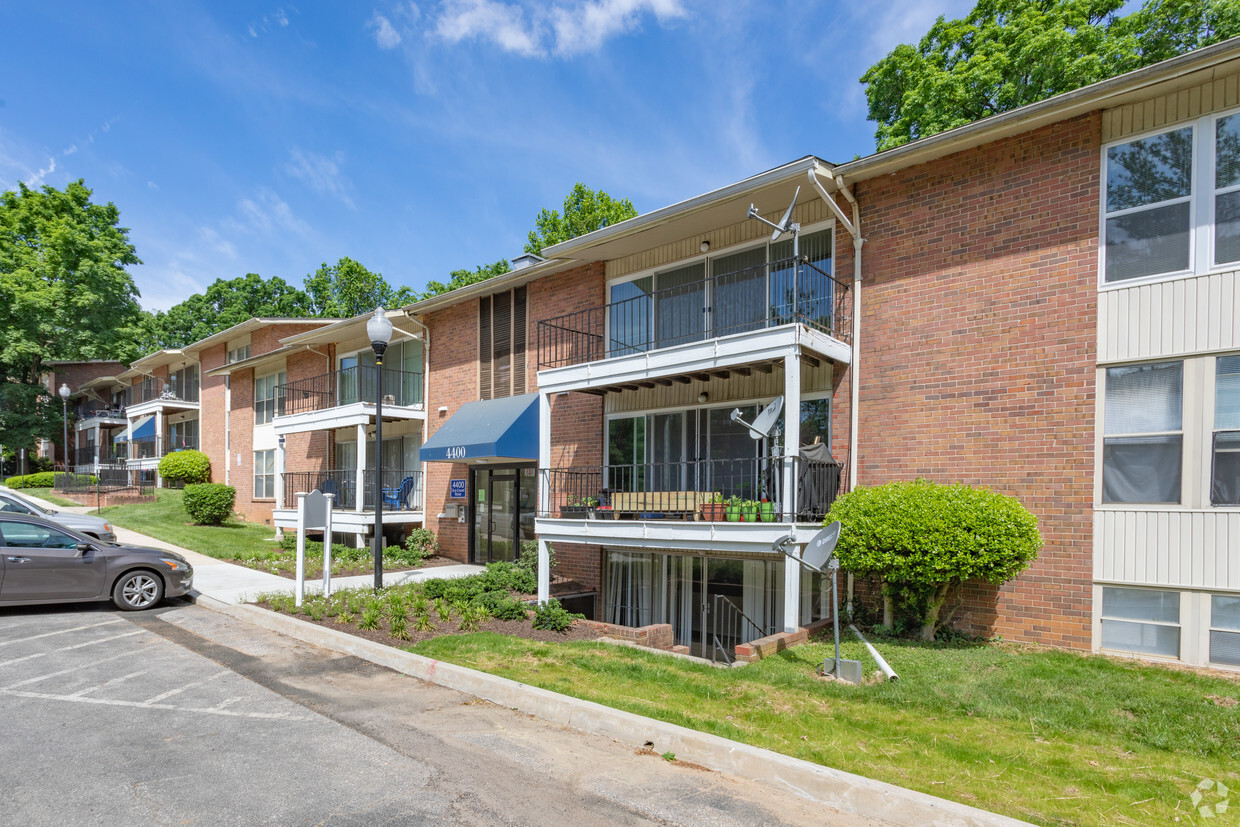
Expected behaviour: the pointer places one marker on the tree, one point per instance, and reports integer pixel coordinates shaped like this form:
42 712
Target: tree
922 540
584 211
64 294
346 289
224 304
1009 53
463 278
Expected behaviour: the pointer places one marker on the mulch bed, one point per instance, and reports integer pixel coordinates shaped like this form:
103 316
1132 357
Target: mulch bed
317 573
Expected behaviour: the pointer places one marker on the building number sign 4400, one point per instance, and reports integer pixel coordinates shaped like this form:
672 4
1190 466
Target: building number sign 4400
456 452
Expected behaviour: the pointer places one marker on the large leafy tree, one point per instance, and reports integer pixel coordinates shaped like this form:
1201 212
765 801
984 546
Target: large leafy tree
346 288
463 278
1009 53
585 210
225 303
64 294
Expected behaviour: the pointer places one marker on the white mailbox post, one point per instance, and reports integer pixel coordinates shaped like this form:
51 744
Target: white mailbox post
314 511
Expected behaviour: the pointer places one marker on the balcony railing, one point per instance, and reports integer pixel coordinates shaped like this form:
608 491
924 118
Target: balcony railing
402 490
154 447
347 386
153 390
762 296
736 490
95 411
106 454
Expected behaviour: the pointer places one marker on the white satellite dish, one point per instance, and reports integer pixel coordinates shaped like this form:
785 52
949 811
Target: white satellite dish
820 550
761 427
785 225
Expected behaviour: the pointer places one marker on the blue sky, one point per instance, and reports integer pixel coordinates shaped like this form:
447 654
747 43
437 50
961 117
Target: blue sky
421 137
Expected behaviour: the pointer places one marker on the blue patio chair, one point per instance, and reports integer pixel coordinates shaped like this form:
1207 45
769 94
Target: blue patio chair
330 486
396 497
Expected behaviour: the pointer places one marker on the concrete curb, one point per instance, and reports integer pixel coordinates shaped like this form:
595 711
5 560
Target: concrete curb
840 790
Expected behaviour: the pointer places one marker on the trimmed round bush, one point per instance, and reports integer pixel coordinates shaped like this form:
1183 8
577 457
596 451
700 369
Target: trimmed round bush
43 479
209 503
922 540
188 466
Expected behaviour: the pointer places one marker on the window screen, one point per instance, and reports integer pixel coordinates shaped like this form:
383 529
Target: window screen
1225 629
1142 451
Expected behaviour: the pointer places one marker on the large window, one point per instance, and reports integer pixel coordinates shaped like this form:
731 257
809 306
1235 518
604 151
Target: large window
1225 471
1142 453
266 401
264 474
1172 201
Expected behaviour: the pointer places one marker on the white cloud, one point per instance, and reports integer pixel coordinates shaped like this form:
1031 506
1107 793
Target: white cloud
266 214
536 29
72 149
385 35
321 173
263 25
212 238
36 178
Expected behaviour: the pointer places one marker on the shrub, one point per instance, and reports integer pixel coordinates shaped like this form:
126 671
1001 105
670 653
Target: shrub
420 544
922 540
527 560
209 503
503 607
553 617
187 466
43 479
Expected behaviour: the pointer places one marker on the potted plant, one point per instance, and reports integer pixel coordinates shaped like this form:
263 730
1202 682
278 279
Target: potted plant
579 508
732 509
766 510
749 509
713 510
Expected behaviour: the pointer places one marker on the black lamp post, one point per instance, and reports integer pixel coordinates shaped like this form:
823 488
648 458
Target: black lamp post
379 329
64 410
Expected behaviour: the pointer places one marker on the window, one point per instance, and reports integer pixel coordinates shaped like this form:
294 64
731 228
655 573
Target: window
184 383
1227 189
1148 205
238 354
1142 454
501 344
1141 620
1225 471
267 403
264 474
1225 629
28 535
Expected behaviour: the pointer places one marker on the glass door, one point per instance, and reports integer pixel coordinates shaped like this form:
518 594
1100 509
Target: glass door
497 497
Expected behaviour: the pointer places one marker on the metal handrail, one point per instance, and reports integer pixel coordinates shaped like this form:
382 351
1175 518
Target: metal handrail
736 615
342 484
158 389
347 386
752 298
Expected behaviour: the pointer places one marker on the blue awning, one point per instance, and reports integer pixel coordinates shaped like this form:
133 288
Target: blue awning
144 428
493 429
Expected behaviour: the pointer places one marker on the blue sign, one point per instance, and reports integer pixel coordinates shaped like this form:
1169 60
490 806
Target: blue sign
456 489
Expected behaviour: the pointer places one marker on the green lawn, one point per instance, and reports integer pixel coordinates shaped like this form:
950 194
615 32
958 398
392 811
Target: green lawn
1047 736
165 519
46 494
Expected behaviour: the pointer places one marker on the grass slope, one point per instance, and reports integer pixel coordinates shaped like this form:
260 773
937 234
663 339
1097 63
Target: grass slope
1047 736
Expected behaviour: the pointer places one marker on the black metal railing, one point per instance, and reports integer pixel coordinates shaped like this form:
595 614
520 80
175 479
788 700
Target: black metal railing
90 409
349 385
762 296
151 390
107 478
402 490
730 627
735 490
154 447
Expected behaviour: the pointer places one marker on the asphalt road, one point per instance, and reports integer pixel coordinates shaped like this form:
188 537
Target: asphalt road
186 716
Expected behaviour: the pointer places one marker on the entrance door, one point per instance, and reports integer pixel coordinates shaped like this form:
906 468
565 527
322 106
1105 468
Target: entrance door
500 500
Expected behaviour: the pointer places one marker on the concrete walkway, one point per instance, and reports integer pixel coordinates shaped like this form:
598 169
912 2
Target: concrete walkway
230 583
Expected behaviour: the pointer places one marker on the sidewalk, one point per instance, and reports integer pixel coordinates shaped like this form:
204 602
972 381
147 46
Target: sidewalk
223 586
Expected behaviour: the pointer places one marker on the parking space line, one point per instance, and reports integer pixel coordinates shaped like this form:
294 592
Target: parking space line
178 690
49 696
67 671
69 648
61 632
227 702
112 682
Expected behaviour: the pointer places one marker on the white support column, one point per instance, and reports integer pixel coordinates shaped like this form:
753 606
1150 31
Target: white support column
159 445
792 431
98 429
280 458
792 592
544 493
360 481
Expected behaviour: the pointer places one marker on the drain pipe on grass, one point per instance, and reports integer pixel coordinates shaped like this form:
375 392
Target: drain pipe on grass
882 664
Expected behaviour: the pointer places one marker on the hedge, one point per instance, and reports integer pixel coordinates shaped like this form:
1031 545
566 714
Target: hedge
188 466
43 479
209 503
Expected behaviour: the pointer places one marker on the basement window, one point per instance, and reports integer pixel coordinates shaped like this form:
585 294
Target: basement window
1142 621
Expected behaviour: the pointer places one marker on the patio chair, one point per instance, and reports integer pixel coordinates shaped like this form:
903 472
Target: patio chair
396 497
330 486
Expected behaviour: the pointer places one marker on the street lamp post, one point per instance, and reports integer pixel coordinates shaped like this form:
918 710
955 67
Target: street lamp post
64 410
379 329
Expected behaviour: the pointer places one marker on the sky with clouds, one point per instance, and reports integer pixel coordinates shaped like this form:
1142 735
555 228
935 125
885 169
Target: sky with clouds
417 138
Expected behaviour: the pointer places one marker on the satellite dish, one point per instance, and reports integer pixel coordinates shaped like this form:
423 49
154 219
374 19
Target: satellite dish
761 427
785 225
821 548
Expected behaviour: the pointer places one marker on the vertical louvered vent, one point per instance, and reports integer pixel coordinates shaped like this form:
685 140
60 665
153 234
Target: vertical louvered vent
501 320
484 347
518 341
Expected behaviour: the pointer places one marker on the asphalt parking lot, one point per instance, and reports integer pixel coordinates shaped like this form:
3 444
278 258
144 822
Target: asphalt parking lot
184 715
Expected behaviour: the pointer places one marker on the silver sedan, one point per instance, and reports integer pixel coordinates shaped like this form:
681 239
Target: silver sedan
14 503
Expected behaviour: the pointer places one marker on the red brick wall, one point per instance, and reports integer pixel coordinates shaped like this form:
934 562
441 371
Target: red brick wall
74 375
241 430
211 410
452 379
978 351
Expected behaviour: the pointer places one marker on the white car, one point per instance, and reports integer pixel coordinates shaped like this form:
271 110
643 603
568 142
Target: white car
14 503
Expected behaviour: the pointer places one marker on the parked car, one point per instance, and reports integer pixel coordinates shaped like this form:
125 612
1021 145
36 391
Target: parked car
100 529
42 562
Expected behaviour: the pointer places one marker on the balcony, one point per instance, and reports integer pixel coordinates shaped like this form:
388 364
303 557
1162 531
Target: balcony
166 394
155 447
347 397
712 503
737 318
89 416
402 497
103 454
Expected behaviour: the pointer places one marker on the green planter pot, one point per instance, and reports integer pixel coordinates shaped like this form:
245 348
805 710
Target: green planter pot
732 513
768 512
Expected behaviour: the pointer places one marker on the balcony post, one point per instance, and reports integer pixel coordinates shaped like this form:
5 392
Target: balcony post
792 452
280 481
359 499
159 446
544 493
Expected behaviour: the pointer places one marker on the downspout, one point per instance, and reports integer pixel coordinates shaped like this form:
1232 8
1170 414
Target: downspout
854 397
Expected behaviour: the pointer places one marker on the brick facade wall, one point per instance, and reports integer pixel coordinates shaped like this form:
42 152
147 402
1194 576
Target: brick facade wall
978 345
75 375
211 410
